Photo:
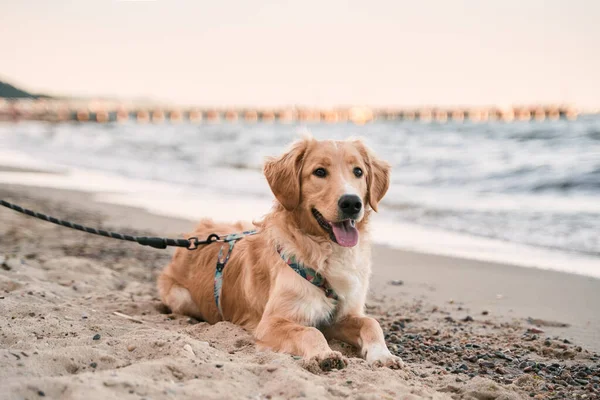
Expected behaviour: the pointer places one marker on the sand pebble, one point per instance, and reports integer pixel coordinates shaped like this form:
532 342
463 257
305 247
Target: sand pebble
534 330
189 349
131 347
96 337
9 263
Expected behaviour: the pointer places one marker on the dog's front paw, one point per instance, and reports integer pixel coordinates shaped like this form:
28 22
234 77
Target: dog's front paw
327 361
391 361
380 356
331 360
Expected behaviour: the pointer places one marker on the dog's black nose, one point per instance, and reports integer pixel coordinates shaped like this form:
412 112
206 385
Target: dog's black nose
350 204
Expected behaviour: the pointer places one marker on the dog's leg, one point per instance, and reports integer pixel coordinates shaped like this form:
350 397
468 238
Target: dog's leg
366 334
177 298
280 334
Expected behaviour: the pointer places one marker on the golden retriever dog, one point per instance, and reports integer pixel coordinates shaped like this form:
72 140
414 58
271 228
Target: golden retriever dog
303 277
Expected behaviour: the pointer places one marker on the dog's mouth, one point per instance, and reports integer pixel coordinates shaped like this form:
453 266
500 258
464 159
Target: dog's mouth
343 232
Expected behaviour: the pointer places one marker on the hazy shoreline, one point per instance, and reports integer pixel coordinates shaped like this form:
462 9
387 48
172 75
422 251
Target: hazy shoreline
528 188
182 202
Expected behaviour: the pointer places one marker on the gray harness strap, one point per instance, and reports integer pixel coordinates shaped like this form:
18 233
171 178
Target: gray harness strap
222 262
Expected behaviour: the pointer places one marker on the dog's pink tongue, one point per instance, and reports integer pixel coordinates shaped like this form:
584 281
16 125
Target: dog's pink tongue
345 234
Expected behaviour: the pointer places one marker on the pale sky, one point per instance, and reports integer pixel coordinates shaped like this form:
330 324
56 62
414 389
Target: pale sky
307 52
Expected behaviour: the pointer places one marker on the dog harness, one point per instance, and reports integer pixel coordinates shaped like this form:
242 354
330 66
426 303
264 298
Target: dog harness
309 274
306 272
222 261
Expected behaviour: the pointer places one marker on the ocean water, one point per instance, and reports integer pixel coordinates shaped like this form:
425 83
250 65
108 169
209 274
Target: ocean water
533 185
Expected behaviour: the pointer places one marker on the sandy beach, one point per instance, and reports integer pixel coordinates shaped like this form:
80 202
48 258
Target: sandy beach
432 166
80 318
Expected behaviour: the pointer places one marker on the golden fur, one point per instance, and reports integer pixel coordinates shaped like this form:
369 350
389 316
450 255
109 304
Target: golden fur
261 292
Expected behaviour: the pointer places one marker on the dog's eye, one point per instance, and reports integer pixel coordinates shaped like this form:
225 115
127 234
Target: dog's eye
320 172
358 172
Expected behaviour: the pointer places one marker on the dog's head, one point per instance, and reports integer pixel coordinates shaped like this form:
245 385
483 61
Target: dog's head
327 185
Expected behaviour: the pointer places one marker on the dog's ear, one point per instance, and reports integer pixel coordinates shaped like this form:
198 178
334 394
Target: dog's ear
378 175
283 174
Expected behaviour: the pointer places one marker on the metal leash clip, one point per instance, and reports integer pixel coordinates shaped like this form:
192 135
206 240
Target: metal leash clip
194 242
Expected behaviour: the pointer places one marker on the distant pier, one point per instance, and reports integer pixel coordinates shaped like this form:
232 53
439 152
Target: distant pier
106 112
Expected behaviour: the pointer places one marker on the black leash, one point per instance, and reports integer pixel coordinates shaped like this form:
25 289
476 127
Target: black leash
156 242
